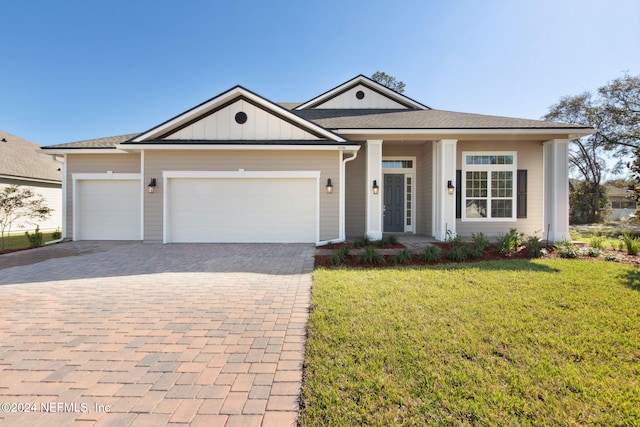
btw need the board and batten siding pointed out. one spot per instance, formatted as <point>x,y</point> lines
<point>529,157</point>
<point>96,163</point>
<point>327,162</point>
<point>260,125</point>
<point>371,99</point>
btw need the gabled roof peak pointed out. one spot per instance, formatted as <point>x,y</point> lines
<point>362,92</point>
<point>197,113</point>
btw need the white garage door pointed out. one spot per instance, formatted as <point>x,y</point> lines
<point>236,210</point>
<point>107,210</point>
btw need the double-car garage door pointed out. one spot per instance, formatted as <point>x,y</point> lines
<point>203,209</point>
<point>241,210</point>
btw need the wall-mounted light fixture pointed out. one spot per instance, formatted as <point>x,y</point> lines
<point>152,185</point>
<point>450,188</point>
<point>375,187</point>
<point>329,186</point>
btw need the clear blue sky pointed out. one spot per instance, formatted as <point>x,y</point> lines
<point>73,70</point>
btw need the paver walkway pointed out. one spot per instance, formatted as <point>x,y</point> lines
<point>113,333</point>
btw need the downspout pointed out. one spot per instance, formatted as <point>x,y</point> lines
<point>342,202</point>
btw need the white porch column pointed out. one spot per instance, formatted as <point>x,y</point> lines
<point>444,204</point>
<point>374,201</point>
<point>556,189</point>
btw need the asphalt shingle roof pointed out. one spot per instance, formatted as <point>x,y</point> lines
<point>420,119</point>
<point>106,142</point>
<point>20,158</point>
<point>375,119</point>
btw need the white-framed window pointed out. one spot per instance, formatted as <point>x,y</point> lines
<point>489,186</point>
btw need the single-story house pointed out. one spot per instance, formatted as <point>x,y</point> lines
<point>359,159</point>
<point>623,203</point>
<point>22,163</point>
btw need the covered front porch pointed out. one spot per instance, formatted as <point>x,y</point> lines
<point>414,186</point>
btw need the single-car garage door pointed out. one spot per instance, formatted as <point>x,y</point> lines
<point>236,210</point>
<point>107,210</point>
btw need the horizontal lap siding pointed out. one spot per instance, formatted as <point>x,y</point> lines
<point>426,189</point>
<point>355,195</point>
<point>325,161</point>
<point>96,163</point>
<point>529,157</point>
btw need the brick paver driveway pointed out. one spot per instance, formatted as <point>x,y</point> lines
<point>112,333</point>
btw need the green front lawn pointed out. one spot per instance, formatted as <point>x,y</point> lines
<point>545,342</point>
<point>19,240</point>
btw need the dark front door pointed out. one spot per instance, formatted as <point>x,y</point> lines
<point>393,202</point>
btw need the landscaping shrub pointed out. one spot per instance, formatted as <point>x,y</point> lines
<point>361,243</point>
<point>36,239</point>
<point>632,244</point>
<point>612,258</point>
<point>402,257</point>
<point>594,252</point>
<point>387,241</point>
<point>534,248</point>
<point>566,249</point>
<point>461,250</point>
<point>508,243</point>
<point>431,253</point>
<point>340,255</point>
<point>597,242</point>
<point>480,242</point>
<point>457,253</point>
<point>371,256</point>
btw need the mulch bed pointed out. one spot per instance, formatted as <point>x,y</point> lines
<point>491,254</point>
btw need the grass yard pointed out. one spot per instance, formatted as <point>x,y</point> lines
<point>544,342</point>
<point>19,240</point>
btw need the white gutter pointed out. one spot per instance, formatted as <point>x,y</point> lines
<point>572,133</point>
<point>237,147</point>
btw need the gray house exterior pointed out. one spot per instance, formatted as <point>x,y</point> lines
<point>359,159</point>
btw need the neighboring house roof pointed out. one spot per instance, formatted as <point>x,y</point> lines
<point>107,142</point>
<point>21,159</point>
<point>617,191</point>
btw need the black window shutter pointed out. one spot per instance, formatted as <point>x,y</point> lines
<point>522,194</point>
<point>458,193</point>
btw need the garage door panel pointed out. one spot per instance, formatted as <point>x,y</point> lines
<point>242,210</point>
<point>108,210</point>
